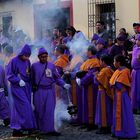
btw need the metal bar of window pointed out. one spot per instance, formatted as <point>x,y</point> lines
<point>101,10</point>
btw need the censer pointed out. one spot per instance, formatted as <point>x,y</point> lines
<point>72,109</point>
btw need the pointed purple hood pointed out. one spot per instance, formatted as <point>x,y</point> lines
<point>26,50</point>
<point>42,51</point>
<point>95,37</point>
<point>100,41</point>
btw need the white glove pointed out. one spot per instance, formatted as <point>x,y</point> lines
<point>1,89</point>
<point>21,83</point>
<point>67,86</point>
<point>78,81</point>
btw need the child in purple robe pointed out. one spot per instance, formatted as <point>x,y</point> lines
<point>4,106</point>
<point>135,90</point>
<point>44,76</point>
<point>101,49</point>
<point>94,39</point>
<point>123,121</point>
<point>104,109</point>
<point>119,47</point>
<point>18,74</point>
<point>88,89</point>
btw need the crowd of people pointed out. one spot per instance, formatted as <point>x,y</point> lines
<point>101,75</point>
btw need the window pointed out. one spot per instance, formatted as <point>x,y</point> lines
<point>6,23</point>
<point>103,10</point>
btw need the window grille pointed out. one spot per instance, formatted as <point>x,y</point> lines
<point>103,10</point>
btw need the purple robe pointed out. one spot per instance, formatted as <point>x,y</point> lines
<point>108,109</point>
<point>88,88</point>
<point>128,129</point>
<point>44,97</point>
<point>59,70</point>
<point>102,52</point>
<point>66,40</point>
<point>22,116</point>
<point>4,106</point>
<point>135,90</point>
<point>116,49</point>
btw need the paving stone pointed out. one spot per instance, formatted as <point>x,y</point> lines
<point>68,133</point>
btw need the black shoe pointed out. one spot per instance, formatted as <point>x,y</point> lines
<point>75,124</point>
<point>108,130</point>
<point>135,111</point>
<point>104,130</point>
<point>84,126</point>
<point>100,131</point>
<point>18,133</point>
<point>6,122</point>
<point>92,127</point>
<point>54,134</point>
<point>33,132</point>
<point>112,135</point>
<point>120,138</point>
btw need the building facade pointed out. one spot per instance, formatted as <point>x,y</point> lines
<point>35,16</point>
<point>116,13</point>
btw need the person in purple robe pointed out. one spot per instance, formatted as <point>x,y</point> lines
<point>4,105</point>
<point>88,89</point>
<point>18,74</point>
<point>101,49</point>
<point>94,39</point>
<point>135,90</point>
<point>110,44</point>
<point>44,76</point>
<point>104,106</point>
<point>136,27</point>
<point>101,31</point>
<point>123,126</point>
<point>62,59</point>
<point>119,47</point>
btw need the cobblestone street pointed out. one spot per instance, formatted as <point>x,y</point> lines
<point>68,133</point>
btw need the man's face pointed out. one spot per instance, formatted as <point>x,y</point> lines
<point>138,42</point>
<point>43,58</point>
<point>89,54</point>
<point>110,42</point>
<point>69,33</point>
<point>116,64</point>
<point>24,57</point>
<point>56,53</point>
<point>136,29</point>
<point>99,27</point>
<point>99,47</point>
<point>101,63</point>
<point>120,43</point>
<point>56,32</point>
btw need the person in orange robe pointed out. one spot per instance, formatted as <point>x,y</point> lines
<point>61,63</point>
<point>62,59</point>
<point>104,109</point>
<point>123,121</point>
<point>88,89</point>
<point>70,77</point>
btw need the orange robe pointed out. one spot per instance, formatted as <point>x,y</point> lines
<point>89,64</point>
<point>89,90</point>
<point>61,62</point>
<point>123,121</point>
<point>103,117</point>
<point>103,78</point>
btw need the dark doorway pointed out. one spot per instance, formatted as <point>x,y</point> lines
<point>47,18</point>
<point>6,22</point>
